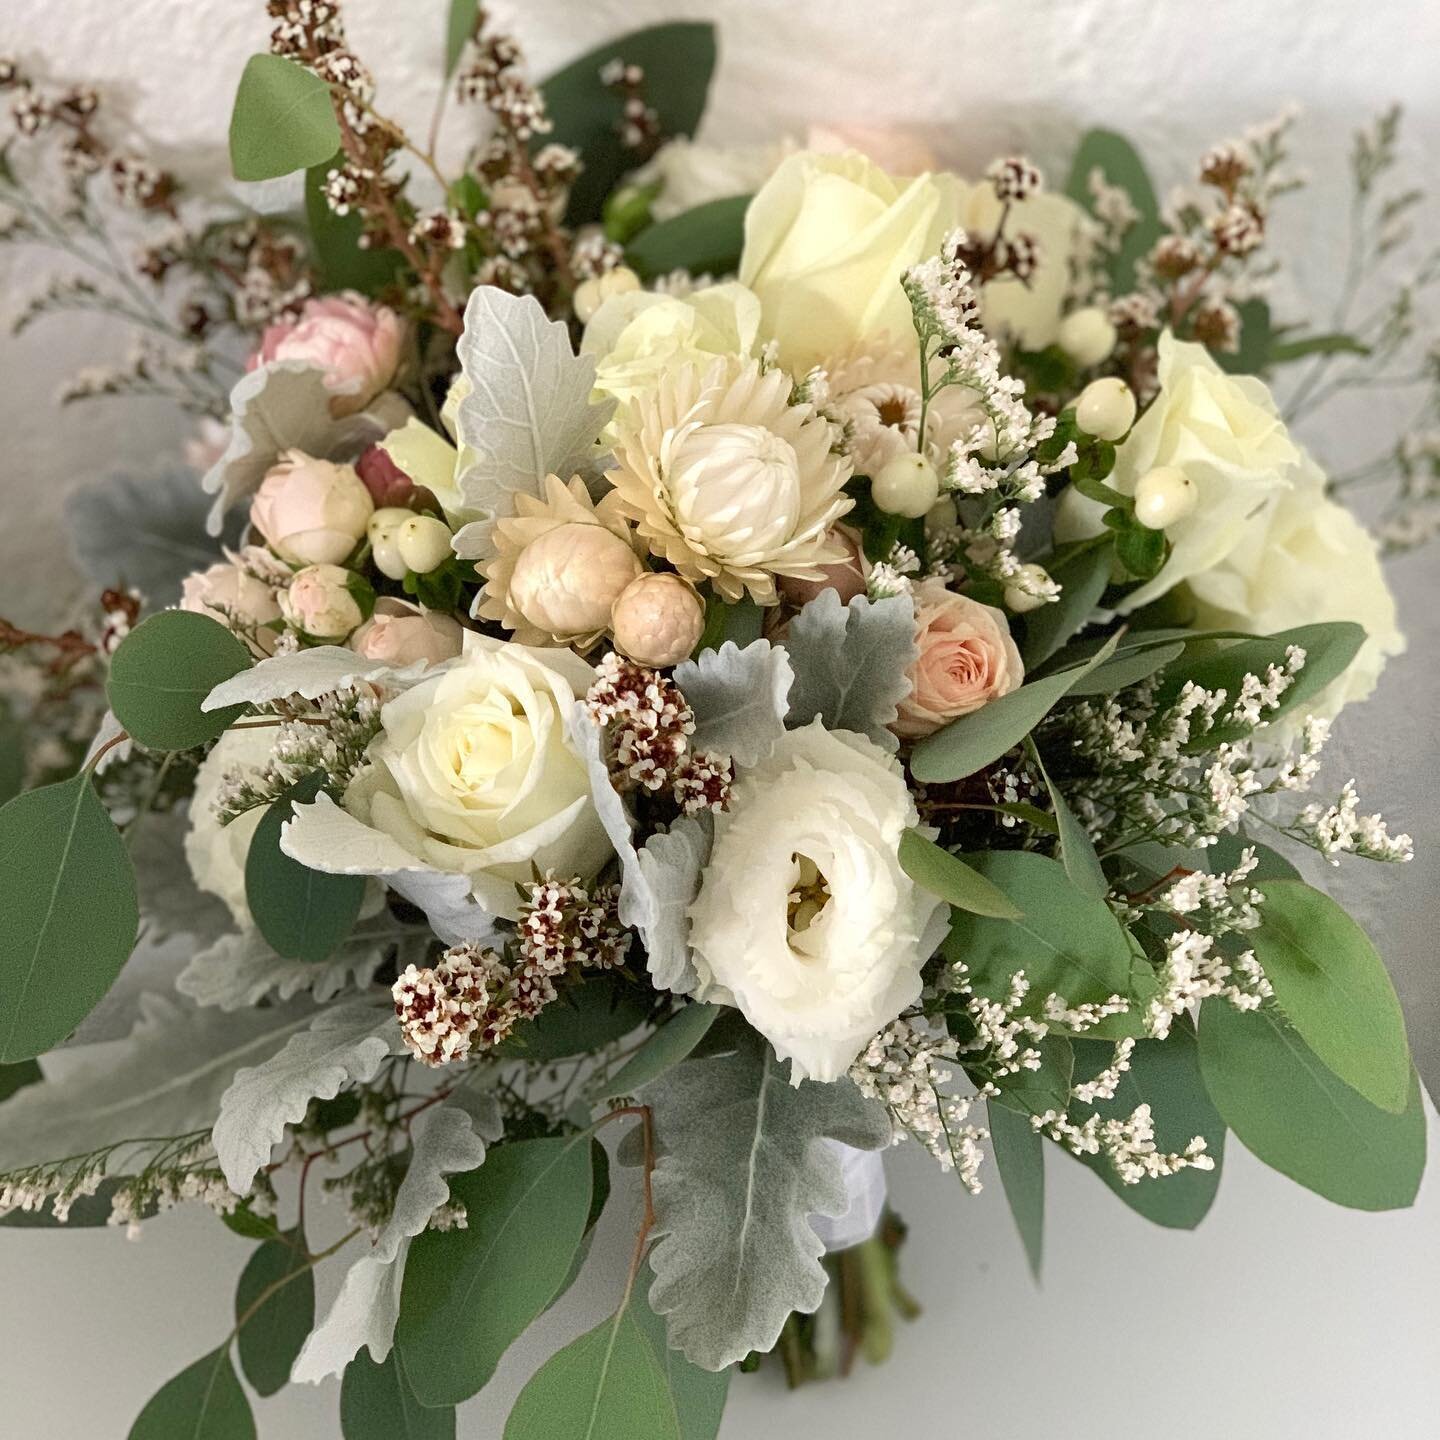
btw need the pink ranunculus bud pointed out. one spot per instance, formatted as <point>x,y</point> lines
<point>657,619</point>
<point>400,633</point>
<point>846,577</point>
<point>311,512</point>
<point>322,602</point>
<point>239,592</point>
<point>355,342</point>
<point>966,659</point>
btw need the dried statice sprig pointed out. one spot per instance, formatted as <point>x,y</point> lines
<point>1194,970</point>
<point>1340,829</point>
<point>1128,1144</point>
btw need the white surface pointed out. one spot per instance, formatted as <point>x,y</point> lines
<point>1282,1316</point>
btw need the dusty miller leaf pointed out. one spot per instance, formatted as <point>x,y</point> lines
<point>740,1172</point>
<point>344,1046</point>
<point>669,878</point>
<point>362,1317</point>
<point>307,673</point>
<point>850,663</point>
<point>528,412</point>
<point>739,698</point>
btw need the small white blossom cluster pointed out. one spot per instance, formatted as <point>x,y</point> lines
<point>562,924</point>
<point>1001,1030</point>
<point>1195,971</point>
<point>1104,1085</point>
<point>442,1009</point>
<point>1340,829</point>
<point>1224,901</point>
<point>1128,1144</point>
<point>891,576</point>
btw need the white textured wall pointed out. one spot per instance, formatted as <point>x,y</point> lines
<point>1283,1316</point>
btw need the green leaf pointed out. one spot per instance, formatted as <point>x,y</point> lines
<point>161,674</point>
<point>271,1336</point>
<point>247,1224</point>
<point>17,1077</point>
<point>1257,340</point>
<point>705,240</point>
<point>608,1382</point>
<point>1291,1112</point>
<point>341,262</point>
<point>1329,648</point>
<point>974,741</point>
<point>1067,942</point>
<point>1332,985</point>
<point>1129,667</point>
<point>678,60</point>
<point>949,877</point>
<point>1020,1159</point>
<point>459,27</point>
<point>304,914</point>
<point>1033,1092</point>
<point>68,914</point>
<point>668,1046</point>
<point>12,753</point>
<point>468,1294</point>
<point>1077,853</point>
<point>1121,165</point>
<point>1164,1074</point>
<point>377,1403</point>
<point>1082,577</point>
<point>1332,343</point>
<point>699,1395</point>
<point>739,621</point>
<point>283,120</point>
<point>204,1402</point>
<point>592,1013</point>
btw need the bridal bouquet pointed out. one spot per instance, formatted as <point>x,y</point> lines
<point>771,654</point>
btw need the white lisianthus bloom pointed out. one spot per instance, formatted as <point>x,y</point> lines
<point>473,771</point>
<point>827,239</point>
<point>728,481</point>
<point>805,919</point>
<point>637,336</point>
<point>217,853</point>
<point>1225,434</point>
<point>1306,560</point>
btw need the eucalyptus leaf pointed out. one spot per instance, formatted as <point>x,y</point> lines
<point>1290,1111</point>
<point>1333,987</point>
<point>459,27</point>
<point>68,913</point>
<point>740,1173</point>
<point>468,1294</point>
<point>274,1310</point>
<point>699,1395</point>
<point>949,877</point>
<point>667,1047</point>
<point>304,914</point>
<point>1020,1159</point>
<point>850,663</point>
<point>593,1012</point>
<point>283,120</point>
<point>378,1403</point>
<point>704,240</point>
<point>1326,343</point>
<point>1120,165</point>
<point>340,260</point>
<point>1034,1092</point>
<point>1082,577</point>
<point>1077,852</point>
<point>203,1402</point>
<point>161,673</point>
<point>1127,668</point>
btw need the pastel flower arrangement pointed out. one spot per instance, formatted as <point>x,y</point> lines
<point>791,651</point>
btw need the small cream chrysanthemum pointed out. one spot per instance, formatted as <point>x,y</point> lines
<point>728,481</point>
<point>560,563</point>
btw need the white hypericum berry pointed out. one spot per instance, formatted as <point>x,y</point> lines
<point>1163,496</point>
<point>382,531</point>
<point>1027,589</point>
<point>1086,336</point>
<point>423,543</point>
<point>906,485</point>
<point>1106,408</point>
<point>587,300</point>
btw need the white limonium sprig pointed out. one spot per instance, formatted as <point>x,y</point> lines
<point>1128,1144</point>
<point>1194,970</point>
<point>1340,829</point>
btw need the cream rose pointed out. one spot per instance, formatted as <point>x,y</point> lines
<point>217,853</point>
<point>826,241</point>
<point>805,919</point>
<point>966,658</point>
<point>473,771</point>
<point>637,336</point>
<point>1225,434</point>
<point>1306,559</point>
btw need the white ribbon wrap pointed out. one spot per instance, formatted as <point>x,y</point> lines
<point>863,1174</point>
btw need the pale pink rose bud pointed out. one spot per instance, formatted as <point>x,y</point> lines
<point>898,151</point>
<point>356,343</point>
<point>565,582</point>
<point>400,633</point>
<point>234,592</point>
<point>657,619</point>
<point>966,659</point>
<point>846,577</point>
<point>326,601</point>
<point>310,511</point>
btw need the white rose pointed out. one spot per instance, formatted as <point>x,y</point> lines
<point>1225,434</point>
<point>636,336</point>
<point>473,771</point>
<point>1306,560</point>
<point>826,241</point>
<point>216,853</point>
<point>805,918</point>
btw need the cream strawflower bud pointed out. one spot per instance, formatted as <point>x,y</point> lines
<point>657,619</point>
<point>311,512</point>
<point>423,543</point>
<point>560,565</point>
<point>383,530</point>
<point>1163,496</point>
<point>906,485</point>
<point>1106,408</point>
<point>1086,336</point>
<point>326,601</point>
